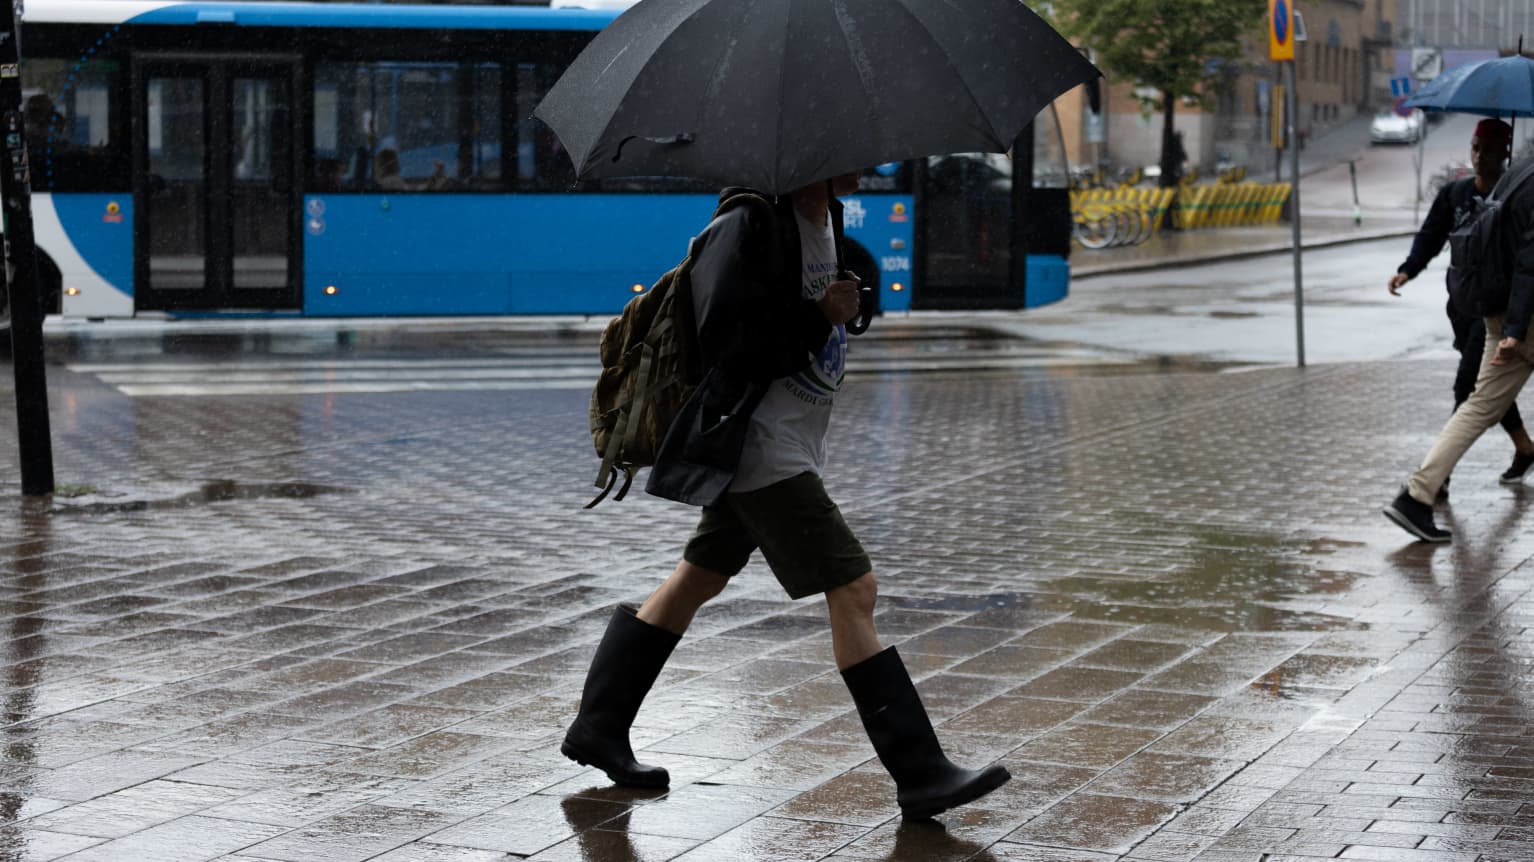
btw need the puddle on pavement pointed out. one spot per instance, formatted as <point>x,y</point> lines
<point>961,602</point>
<point>1226,582</point>
<point>1142,310</point>
<point>220,491</point>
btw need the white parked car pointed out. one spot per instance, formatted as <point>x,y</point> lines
<point>1389,127</point>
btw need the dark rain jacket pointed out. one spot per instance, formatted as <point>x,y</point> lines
<point>1518,229</point>
<point>1454,203</point>
<point>754,326</point>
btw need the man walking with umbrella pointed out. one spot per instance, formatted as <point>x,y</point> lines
<point>778,95</point>
<point>771,310</point>
<point>1506,365</point>
<point>1456,202</point>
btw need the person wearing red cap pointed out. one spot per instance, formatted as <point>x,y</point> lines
<point>1455,202</point>
<point>1507,357</point>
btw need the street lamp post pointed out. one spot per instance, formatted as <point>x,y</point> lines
<point>1284,29</point>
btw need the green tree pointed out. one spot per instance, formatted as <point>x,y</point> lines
<point>1178,47</point>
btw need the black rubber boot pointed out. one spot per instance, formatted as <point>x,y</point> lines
<point>627,662</point>
<point>927,782</point>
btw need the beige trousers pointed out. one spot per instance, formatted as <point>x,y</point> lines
<point>1496,387</point>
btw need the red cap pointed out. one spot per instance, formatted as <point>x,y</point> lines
<point>1494,130</point>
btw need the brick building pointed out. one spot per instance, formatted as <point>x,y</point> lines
<point>1344,68</point>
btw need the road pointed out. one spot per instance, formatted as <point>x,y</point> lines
<point>1243,311</point>
<point>1215,315</point>
<point>1385,172</point>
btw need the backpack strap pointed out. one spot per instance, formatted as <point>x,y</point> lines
<point>612,479</point>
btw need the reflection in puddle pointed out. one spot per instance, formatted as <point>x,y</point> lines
<point>219,491</point>
<point>961,602</point>
<point>1224,582</point>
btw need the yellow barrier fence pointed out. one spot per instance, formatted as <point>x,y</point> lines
<point>1231,204</point>
<point>1129,215</point>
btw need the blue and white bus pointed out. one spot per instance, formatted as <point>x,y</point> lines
<point>341,159</point>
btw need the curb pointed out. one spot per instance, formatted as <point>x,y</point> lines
<point>1255,250</point>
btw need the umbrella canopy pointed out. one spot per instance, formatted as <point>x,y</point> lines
<point>776,94</point>
<point>1503,87</point>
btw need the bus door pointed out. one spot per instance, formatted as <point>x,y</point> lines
<point>214,183</point>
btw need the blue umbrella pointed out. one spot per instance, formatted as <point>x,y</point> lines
<point>1492,88</point>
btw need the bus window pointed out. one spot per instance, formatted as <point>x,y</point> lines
<point>542,164</point>
<point>397,126</point>
<point>76,137</point>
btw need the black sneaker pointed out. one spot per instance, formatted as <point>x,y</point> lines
<point>1415,518</point>
<point>1521,463</point>
<point>1443,491</point>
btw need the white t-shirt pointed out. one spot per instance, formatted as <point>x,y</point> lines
<point>787,434</point>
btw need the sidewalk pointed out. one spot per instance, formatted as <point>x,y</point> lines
<point>345,627</point>
<point>1181,248</point>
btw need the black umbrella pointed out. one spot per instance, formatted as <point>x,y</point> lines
<point>776,94</point>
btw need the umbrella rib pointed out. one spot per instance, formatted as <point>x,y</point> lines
<point>777,132</point>
<point>682,136</point>
<point>859,58</point>
<point>980,110</point>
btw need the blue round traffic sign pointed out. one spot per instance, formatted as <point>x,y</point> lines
<point>1399,106</point>
<point>1281,21</point>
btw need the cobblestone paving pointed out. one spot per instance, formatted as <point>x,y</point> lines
<point>326,628</point>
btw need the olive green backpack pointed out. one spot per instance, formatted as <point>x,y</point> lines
<point>649,369</point>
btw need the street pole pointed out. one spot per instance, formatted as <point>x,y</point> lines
<point>1294,197</point>
<point>1358,211</point>
<point>33,434</point>
<point>1416,206</point>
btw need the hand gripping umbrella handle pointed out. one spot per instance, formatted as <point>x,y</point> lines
<point>866,299</point>
<point>859,324</point>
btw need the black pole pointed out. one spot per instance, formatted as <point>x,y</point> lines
<point>1020,209</point>
<point>919,232</point>
<point>1358,212</point>
<point>1512,120</point>
<point>32,429</point>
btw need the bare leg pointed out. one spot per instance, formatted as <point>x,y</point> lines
<point>1521,440</point>
<point>926,781</point>
<point>853,636</point>
<point>675,602</point>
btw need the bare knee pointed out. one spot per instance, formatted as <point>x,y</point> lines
<point>698,583</point>
<point>857,597</point>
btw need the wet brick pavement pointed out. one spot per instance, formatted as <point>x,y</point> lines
<point>1167,602</point>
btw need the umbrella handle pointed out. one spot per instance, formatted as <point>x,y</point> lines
<point>859,325</point>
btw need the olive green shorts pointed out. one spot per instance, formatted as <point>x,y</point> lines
<point>799,530</point>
